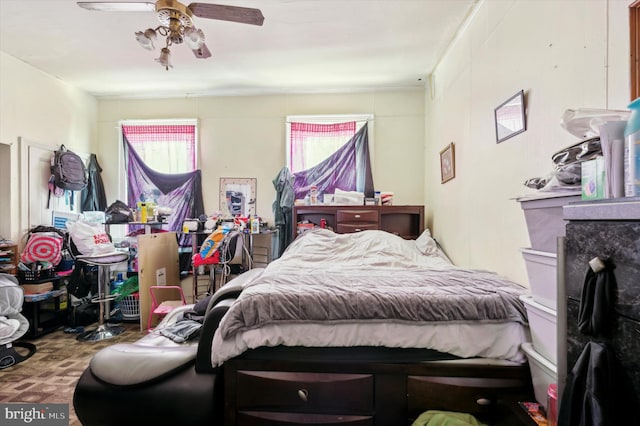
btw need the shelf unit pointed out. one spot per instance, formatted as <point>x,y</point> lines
<point>45,311</point>
<point>9,258</point>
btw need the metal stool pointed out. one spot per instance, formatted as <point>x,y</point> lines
<point>103,262</point>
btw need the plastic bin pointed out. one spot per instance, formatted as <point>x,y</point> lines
<point>543,326</point>
<point>545,223</point>
<point>543,374</point>
<point>542,273</point>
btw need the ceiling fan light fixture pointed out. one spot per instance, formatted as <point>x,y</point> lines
<point>147,38</point>
<point>194,38</point>
<point>165,58</point>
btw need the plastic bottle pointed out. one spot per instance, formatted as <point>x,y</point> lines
<point>313,195</point>
<point>632,151</point>
<point>255,225</point>
<point>117,283</point>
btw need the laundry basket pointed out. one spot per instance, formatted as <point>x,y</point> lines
<point>130,307</point>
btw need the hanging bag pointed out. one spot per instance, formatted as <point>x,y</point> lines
<point>44,244</point>
<point>68,170</point>
<point>43,247</point>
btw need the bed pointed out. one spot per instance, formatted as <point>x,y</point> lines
<point>369,328</point>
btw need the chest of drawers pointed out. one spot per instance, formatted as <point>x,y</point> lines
<point>405,221</point>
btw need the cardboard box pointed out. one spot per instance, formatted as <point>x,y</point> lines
<point>592,181</point>
<point>37,288</point>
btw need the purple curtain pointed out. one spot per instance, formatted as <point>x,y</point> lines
<point>182,192</point>
<point>349,169</point>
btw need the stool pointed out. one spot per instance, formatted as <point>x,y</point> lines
<point>103,262</point>
<point>165,306</point>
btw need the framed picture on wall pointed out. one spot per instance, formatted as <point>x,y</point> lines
<point>447,163</point>
<point>238,196</point>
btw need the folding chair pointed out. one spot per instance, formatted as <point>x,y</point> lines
<point>161,305</point>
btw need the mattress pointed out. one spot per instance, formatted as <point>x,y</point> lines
<point>373,288</point>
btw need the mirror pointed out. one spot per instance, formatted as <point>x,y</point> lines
<point>238,196</point>
<point>510,117</point>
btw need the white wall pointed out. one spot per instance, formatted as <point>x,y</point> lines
<point>565,54</point>
<point>42,109</point>
<point>244,137</point>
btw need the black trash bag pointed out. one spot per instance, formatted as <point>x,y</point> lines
<point>118,212</point>
<point>81,312</point>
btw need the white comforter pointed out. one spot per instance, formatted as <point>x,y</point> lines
<point>374,289</point>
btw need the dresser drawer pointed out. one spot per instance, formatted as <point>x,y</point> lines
<point>357,216</point>
<point>305,392</point>
<point>477,396</point>
<point>348,228</point>
<point>259,418</point>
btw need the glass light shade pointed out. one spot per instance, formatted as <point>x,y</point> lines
<point>165,58</point>
<point>194,38</point>
<point>147,38</point>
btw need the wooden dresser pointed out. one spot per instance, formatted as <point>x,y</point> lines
<point>279,392</point>
<point>405,221</point>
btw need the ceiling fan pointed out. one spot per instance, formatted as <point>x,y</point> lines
<point>176,21</point>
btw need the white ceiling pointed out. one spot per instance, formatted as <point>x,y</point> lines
<point>304,46</point>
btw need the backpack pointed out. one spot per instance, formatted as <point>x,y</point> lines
<point>68,170</point>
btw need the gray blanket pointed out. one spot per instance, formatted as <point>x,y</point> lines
<point>299,289</point>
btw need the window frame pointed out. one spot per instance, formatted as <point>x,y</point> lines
<point>328,119</point>
<point>122,176</point>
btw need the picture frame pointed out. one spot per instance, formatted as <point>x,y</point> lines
<point>510,117</point>
<point>238,196</point>
<point>447,163</point>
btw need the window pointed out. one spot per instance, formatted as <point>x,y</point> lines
<point>165,146</point>
<point>159,168</point>
<point>329,153</point>
<point>311,139</point>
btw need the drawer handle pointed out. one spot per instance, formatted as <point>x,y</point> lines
<point>357,230</point>
<point>303,394</point>
<point>483,401</point>
<point>357,216</point>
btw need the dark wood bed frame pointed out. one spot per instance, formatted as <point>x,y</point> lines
<point>367,386</point>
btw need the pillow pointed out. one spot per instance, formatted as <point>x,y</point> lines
<point>425,244</point>
<point>43,247</point>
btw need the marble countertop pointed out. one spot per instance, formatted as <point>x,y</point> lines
<point>609,209</point>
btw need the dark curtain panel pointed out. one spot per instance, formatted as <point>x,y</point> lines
<point>283,207</point>
<point>182,192</point>
<point>93,196</point>
<point>348,169</point>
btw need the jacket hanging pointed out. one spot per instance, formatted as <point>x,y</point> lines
<point>596,300</point>
<point>598,392</point>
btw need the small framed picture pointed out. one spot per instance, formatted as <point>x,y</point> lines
<point>447,163</point>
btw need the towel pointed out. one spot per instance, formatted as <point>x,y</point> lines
<point>446,418</point>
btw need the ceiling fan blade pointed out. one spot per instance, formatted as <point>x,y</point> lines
<point>118,6</point>
<point>202,53</point>
<point>244,15</point>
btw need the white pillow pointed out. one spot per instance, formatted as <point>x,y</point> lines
<point>425,244</point>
